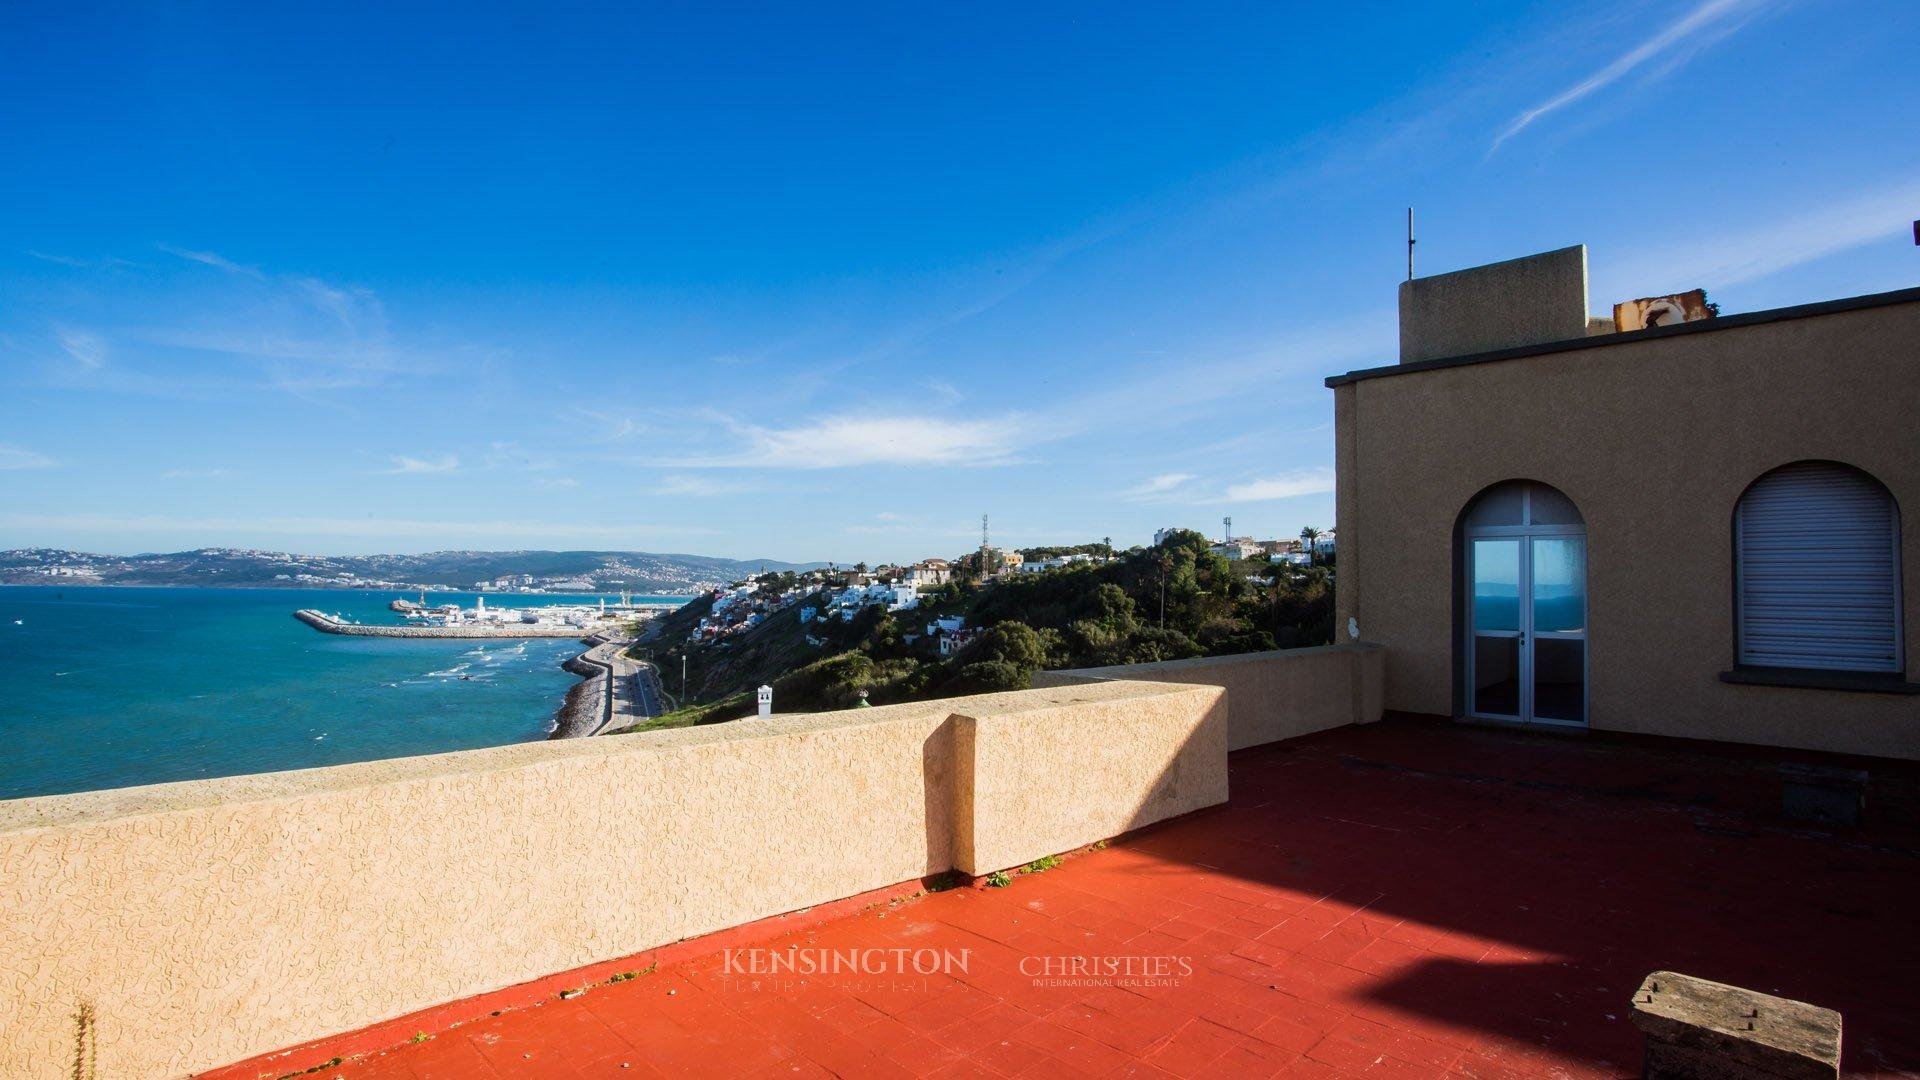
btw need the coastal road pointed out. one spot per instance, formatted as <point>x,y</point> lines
<point>636,689</point>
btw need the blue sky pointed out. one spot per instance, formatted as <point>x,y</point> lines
<point>830,284</point>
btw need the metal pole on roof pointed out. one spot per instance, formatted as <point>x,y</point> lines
<point>1410,243</point>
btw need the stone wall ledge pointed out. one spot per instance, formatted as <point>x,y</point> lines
<point>204,922</point>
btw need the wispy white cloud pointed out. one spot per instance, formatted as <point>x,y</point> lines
<point>85,347</point>
<point>1674,44</point>
<point>699,487</point>
<point>1163,394</point>
<point>943,389</point>
<point>555,482</point>
<point>1165,487</point>
<point>962,532</point>
<point>77,263</point>
<point>1186,489</point>
<point>517,458</point>
<point>213,259</point>
<point>1287,485</point>
<point>842,441</point>
<point>402,464</point>
<point>13,457</point>
<point>603,427</point>
<point>1748,251</point>
<point>307,336</point>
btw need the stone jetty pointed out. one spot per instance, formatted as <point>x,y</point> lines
<point>327,624</point>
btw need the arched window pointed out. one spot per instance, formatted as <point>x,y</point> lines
<point>1817,570</point>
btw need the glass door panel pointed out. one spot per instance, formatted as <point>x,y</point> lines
<point>1498,678</point>
<point>1559,587</point>
<point>1496,675</point>
<point>1496,585</point>
<point>1560,679</point>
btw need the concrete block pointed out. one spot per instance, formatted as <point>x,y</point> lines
<point>1822,793</point>
<point>1696,1029</point>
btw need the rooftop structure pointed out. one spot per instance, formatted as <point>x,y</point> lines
<point>1693,529</point>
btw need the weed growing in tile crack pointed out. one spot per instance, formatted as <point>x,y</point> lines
<point>1041,865</point>
<point>420,1037</point>
<point>999,879</point>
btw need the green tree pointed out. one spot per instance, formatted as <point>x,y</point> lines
<point>990,676</point>
<point>1014,643</point>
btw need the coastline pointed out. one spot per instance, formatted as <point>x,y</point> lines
<point>308,701</point>
<point>617,691</point>
<point>588,703</point>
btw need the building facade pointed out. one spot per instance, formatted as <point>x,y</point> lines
<point>1704,530</point>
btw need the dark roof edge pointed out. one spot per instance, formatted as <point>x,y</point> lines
<point>1599,341</point>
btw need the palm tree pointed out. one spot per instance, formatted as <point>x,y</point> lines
<point>1308,535</point>
<point>1106,542</point>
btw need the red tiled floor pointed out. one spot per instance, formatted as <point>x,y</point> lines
<point>1398,900</point>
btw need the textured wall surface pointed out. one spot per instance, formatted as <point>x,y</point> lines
<point>1523,301</point>
<point>1271,695</point>
<point>1044,778</point>
<point>1654,440</point>
<point>163,929</point>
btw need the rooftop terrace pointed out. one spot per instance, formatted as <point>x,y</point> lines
<point>1401,898</point>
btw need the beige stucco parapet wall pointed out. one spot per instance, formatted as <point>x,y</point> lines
<point>202,923</point>
<point>1274,695</point>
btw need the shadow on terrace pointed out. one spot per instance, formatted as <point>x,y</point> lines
<point>1487,901</point>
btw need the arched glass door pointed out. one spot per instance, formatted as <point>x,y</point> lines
<point>1526,572</point>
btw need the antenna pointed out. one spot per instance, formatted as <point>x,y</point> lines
<point>1410,243</point>
<point>1226,524</point>
<point>983,548</point>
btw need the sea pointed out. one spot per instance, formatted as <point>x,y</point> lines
<point>107,687</point>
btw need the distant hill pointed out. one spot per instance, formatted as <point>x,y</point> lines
<point>556,571</point>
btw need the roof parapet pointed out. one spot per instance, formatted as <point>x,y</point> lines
<point>1503,305</point>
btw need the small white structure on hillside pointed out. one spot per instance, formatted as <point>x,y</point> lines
<point>765,698</point>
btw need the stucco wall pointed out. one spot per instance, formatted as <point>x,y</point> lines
<point>1046,779</point>
<point>201,923</point>
<point>1654,440</point>
<point>1522,301</point>
<point>1270,695</point>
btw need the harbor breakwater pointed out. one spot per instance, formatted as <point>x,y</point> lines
<point>588,707</point>
<point>589,704</point>
<point>327,624</point>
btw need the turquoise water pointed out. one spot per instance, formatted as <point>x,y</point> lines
<point>108,687</point>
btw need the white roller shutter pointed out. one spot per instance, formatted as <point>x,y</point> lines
<point>1819,571</point>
